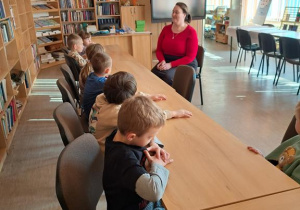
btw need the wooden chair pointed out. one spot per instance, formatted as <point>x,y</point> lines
<point>184,81</point>
<point>68,123</point>
<point>79,174</point>
<point>200,59</point>
<point>73,65</point>
<point>71,81</point>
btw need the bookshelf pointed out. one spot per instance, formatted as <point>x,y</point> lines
<point>107,13</point>
<point>18,67</point>
<point>76,16</point>
<point>291,19</point>
<point>48,31</point>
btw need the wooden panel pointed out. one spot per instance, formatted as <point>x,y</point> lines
<point>142,54</point>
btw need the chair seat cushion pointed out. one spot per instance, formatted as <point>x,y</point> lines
<point>271,54</point>
<point>252,47</point>
<point>293,61</point>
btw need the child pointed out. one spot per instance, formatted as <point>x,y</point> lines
<point>287,155</point>
<point>75,44</point>
<point>117,88</point>
<point>132,179</point>
<point>87,40</point>
<point>101,63</point>
<point>91,50</point>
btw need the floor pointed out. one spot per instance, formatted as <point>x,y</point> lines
<point>250,107</point>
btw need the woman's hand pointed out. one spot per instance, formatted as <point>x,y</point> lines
<point>164,66</point>
<point>160,65</point>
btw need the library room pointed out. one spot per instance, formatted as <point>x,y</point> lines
<point>201,97</point>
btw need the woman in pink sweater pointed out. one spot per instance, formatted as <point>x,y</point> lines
<point>177,44</point>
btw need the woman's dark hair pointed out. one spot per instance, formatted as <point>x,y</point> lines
<point>188,17</point>
<point>119,86</point>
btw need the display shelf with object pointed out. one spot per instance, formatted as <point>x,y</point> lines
<point>76,16</point>
<point>108,14</point>
<point>291,19</point>
<point>220,33</point>
<point>131,14</point>
<point>15,56</point>
<point>47,23</point>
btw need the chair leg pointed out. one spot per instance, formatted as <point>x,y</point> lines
<point>283,64</point>
<point>261,63</point>
<point>299,85</point>
<point>200,86</point>
<point>294,73</point>
<point>277,69</point>
<point>238,57</point>
<point>267,65</point>
<point>251,62</point>
<point>243,51</point>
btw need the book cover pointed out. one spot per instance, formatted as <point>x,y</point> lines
<point>3,84</point>
<point>4,33</point>
<point>2,11</point>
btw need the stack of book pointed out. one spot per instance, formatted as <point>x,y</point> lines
<point>139,25</point>
<point>76,3</point>
<point>7,31</point>
<point>47,33</point>
<point>9,117</point>
<point>45,23</point>
<point>59,56</point>
<point>43,40</point>
<point>42,7</point>
<point>47,58</point>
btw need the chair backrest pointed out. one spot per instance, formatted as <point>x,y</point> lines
<point>267,43</point>
<point>70,80</point>
<point>79,174</point>
<point>73,65</point>
<point>290,131</point>
<point>65,50</point>
<point>244,38</point>
<point>68,122</point>
<point>184,81</point>
<point>200,57</point>
<point>66,92</point>
<point>290,48</point>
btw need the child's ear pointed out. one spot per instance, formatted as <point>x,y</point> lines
<point>106,71</point>
<point>130,136</point>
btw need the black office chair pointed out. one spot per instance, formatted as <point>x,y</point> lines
<point>73,65</point>
<point>79,174</point>
<point>184,81</point>
<point>68,122</point>
<point>290,50</point>
<point>71,81</point>
<point>246,44</point>
<point>200,59</point>
<point>268,46</point>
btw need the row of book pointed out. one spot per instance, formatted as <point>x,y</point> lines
<point>9,117</point>
<point>73,28</point>
<point>107,9</point>
<point>42,7</point>
<point>77,16</point>
<point>6,30</point>
<point>2,11</point>
<point>45,23</point>
<point>47,32</point>
<point>108,21</point>
<point>76,3</point>
<point>3,94</point>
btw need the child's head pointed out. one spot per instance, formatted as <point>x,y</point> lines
<point>101,63</point>
<point>75,43</point>
<point>86,37</point>
<point>297,115</point>
<point>140,119</point>
<point>92,49</point>
<point>119,86</point>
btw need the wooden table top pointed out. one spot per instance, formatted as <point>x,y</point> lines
<point>285,200</point>
<point>211,167</point>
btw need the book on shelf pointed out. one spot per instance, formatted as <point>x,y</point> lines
<point>287,17</point>
<point>45,39</point>
<point>12,16</point>
<point>4,125</point>
<point>7,31</point>
<point>76,3</point>
<point>3,89</point>
<point>2,101</point>
<point>2,11</point>
<point>27,77</point>
<point>42,7</point>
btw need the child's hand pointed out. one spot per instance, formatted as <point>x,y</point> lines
<point>181,113</point>
<point>155,149</point>
<point>156,158</point>
<point>158,97</point>
<point>256,151</point>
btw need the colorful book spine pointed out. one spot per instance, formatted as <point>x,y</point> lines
<point>2,11</point>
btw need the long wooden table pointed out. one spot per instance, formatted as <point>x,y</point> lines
<point>211,166</point>
<point>281,201</point>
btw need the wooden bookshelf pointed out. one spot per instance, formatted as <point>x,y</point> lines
<point>15,57</point>
<point>46,18</point>
<point>291,19</point>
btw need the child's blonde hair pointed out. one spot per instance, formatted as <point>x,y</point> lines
<point>138,114</point>
<point>72,40</point>
<point>100,62</point>
<point>91,50</point>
